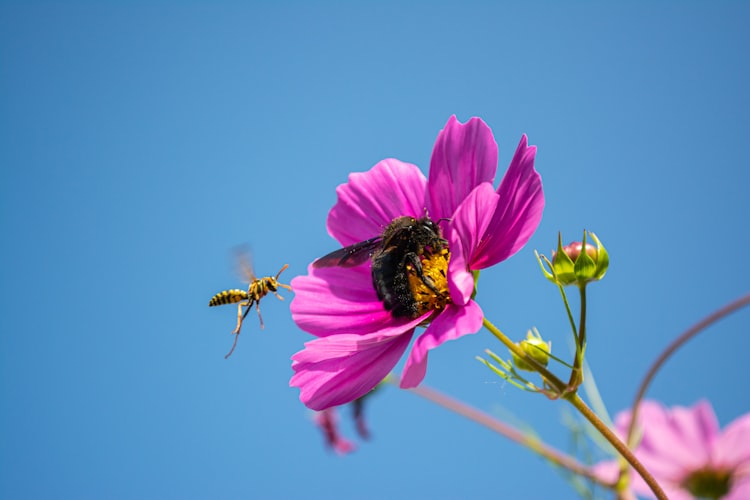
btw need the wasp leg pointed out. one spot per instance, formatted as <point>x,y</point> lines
<point>257,308</point>
<point>413,259</point>
<point>240,319</point>
<point>277,293</point>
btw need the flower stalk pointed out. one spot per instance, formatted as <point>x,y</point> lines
<point>610,436</point>
<point>576,374</point>
<point>526,440</point>
<point>561,389</point>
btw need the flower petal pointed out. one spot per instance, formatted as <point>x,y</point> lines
<point>454,322</point>
<point>518,212</point>
<point>371,200</point>
<point>740,488</point>
<point>674,441</point>
<point>335,370</point>
<point>464,156</point>
<point>732,448</point>
<point>464,236</point>
<point>681,437</point>
<point>335,300</point>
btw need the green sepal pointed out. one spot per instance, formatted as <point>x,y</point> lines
<point>585,267</point>
<point>563,267</point>
<point>602,262</point>
<point>547,274</point>
<point>475,274</point>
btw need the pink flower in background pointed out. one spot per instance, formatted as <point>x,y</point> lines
<point>328,422</point>
<point>359,341</point>
<point>687,453</point>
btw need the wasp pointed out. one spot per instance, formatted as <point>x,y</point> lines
<point>409,264</point>
<point>256,290</point>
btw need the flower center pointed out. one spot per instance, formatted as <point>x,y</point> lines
<point>708,483</point>
<point>435,273</point>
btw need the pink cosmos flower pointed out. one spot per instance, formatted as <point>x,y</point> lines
<point>687,453</point>
<point>359,341</point>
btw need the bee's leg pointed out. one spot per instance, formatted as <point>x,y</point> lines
<point>413,259</point>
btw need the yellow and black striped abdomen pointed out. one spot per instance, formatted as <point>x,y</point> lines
<point>228,297</point>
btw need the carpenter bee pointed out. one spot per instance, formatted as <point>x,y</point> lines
<point>256,290</point>
<point>406,273</point>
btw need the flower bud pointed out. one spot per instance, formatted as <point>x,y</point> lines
<point>574,249</point>
<point>534,347</point>
<point>572,265</point>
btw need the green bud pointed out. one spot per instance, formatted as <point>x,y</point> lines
<point>571,264</point>
<point>534,347</point>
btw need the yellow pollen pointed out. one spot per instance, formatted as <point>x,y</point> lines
<point>434,270</point>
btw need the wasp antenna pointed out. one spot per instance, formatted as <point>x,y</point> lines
<point>281,271</point>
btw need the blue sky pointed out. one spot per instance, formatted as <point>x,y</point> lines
<point>142,142</point>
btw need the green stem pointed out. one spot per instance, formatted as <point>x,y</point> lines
<point>610,436</point>
<point>548,376</point>
<point>582,324</point>
<point>570,314</point>
<point>575,375</point>
<point>531,442</point>
<point>578,403</point>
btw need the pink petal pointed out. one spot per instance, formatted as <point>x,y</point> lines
<point>684,439</point>
<point>672,490</point>
<point>464,234</point>
<point>464,156</point>
<point>335,370</point>
<point>662,449</point>
<point>606,470</point>
<point>732,447</point>
<point>371,200</point>
<point>518,212</point>
<point>740,488</point>
<point>454,322</point>
<point>335,300</point>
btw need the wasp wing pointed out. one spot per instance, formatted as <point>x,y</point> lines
<point>243,259</point>
<point>350,256</point>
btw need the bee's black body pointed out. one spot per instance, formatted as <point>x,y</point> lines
<point>392,254</point>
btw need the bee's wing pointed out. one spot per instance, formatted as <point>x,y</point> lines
<point>350,256</point>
